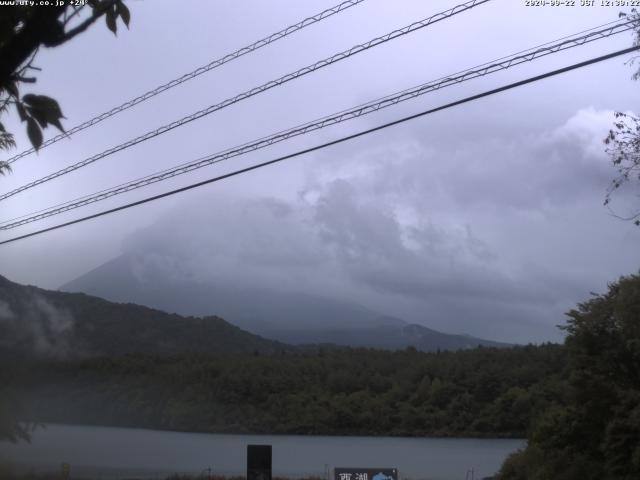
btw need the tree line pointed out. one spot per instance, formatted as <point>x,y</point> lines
<point>593,431</point>
<point>485,392</point>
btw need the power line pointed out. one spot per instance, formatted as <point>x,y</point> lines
<point>199,71</point>
<point>355,112</point>
<point>195,73</point>
<point>328,144</point>
<point>254,91</point>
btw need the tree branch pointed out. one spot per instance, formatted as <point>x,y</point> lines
<point>97,13</point>
<point>76,11</point>
<point>21,46</point>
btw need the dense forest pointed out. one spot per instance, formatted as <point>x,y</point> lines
<point>484,392</point>
<point>593,433</point>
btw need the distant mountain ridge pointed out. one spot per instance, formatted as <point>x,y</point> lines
<point>390,338</point>
<point>137,279</point>
<point>291,317</point>
<point>39,322</point>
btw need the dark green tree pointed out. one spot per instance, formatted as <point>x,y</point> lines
<point>595,432</point>
<point>23,31</point>
<point>623,141</point>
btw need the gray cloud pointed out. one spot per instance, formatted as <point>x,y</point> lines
<point>494,240</point>
<point>5,311</point>
<point>484,219</point>
<point>44,327</point>
<point>49,327</point>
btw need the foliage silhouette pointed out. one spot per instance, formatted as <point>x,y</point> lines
<point>23,30</point>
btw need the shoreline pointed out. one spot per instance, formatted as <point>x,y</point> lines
<point>281,434</point>
<point>114,453</point>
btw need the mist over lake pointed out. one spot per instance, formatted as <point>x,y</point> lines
<point>107,452</point>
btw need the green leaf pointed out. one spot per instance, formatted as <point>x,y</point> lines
<point>30,99</point>
<point>34,132</point>
<point>22,113</point>
<point>4,168</point>
<point>38,116</point>
<point>6,141</point>
<point>56,123</point>
<point>45,110</point>
<point>12,88</point>
<point>124,13</point>
<point>110,18</point>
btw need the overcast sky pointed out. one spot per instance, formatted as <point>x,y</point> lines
<point>485,219</point>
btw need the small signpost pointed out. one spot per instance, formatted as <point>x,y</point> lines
<point>65,471</point>
<point>258,462</point>
<point>365,474</point>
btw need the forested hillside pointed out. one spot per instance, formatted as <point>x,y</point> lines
<point>593,431</point>
<point>481,392</point>
<point>34,321</point>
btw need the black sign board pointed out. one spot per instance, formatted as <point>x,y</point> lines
<point>258,462</point>
<point>365,474</point>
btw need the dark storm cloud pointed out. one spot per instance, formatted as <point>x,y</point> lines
<point>455,244</point>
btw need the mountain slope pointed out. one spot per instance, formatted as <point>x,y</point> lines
<point>136,278</point>
<point>290,317</point>
<point>34,320</point>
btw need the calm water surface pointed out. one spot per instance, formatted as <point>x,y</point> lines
<point>112,452</point>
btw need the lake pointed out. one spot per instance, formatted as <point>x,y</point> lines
<point>107,453</point>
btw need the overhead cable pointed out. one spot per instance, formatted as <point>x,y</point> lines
<point>355,112</point>
<point>193,74</point>
<point>254,91</point>
<point>328,144</point>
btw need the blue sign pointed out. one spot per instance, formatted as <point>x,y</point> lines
<point>365,474</point>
